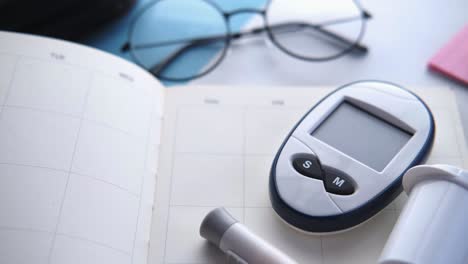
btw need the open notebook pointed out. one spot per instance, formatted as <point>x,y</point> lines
<point>101,164</point>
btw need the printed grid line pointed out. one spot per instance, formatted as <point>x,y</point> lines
<point>322,255</point>
<point>226,154</point>
<point>20,57</point>
<point>460,154</point>
<point>142,183</point>
<point>62,202</point>
<point>94,242</point>
<point>10,82</point>
<point>92,121</point>
<point>244,167</point>
<point>32,230</point>
<point>248,107</point>
<point>246,207</point>
<point>73,172</point>
<point>24,229</point>
<point>177,116</point>
<point>74,65</point>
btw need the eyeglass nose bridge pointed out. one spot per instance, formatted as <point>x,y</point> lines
<point>229,15</point>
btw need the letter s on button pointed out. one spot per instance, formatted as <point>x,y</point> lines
<point>307,165</point>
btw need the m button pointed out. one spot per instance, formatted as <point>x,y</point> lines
<point>337,182</point>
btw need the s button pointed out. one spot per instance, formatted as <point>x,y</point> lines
<point>308,165</point>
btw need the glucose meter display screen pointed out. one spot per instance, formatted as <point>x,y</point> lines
<point>362,136</point>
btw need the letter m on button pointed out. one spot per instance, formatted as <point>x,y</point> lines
<point>338,181</point>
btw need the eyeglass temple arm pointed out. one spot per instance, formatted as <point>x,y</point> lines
<point>156,69</point>
<point>343,40</point>
<point>320,28</point>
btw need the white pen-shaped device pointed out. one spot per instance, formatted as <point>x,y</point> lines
<point>238,243</point>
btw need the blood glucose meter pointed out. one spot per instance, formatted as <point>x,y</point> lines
<point>344,160</point>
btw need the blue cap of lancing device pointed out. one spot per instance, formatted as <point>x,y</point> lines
<point>344,160</point>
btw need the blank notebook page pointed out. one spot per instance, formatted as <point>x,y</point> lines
<point>77,153</point>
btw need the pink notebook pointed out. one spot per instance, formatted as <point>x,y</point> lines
<point>452,59</point>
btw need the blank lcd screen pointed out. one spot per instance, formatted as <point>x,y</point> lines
<point>362,136</point>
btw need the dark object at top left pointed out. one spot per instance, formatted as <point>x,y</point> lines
<point>65,19</point>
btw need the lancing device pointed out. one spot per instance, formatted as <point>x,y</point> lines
<point>240,245</point>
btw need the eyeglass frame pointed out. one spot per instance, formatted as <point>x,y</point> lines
<point>230,36</point>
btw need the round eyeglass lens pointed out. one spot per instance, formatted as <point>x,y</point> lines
<point>179,39</point>
<point>315,29</point>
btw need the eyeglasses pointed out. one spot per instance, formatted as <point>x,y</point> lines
<point>179,40</point>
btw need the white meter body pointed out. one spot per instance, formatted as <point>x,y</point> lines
<point>343,161</point>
